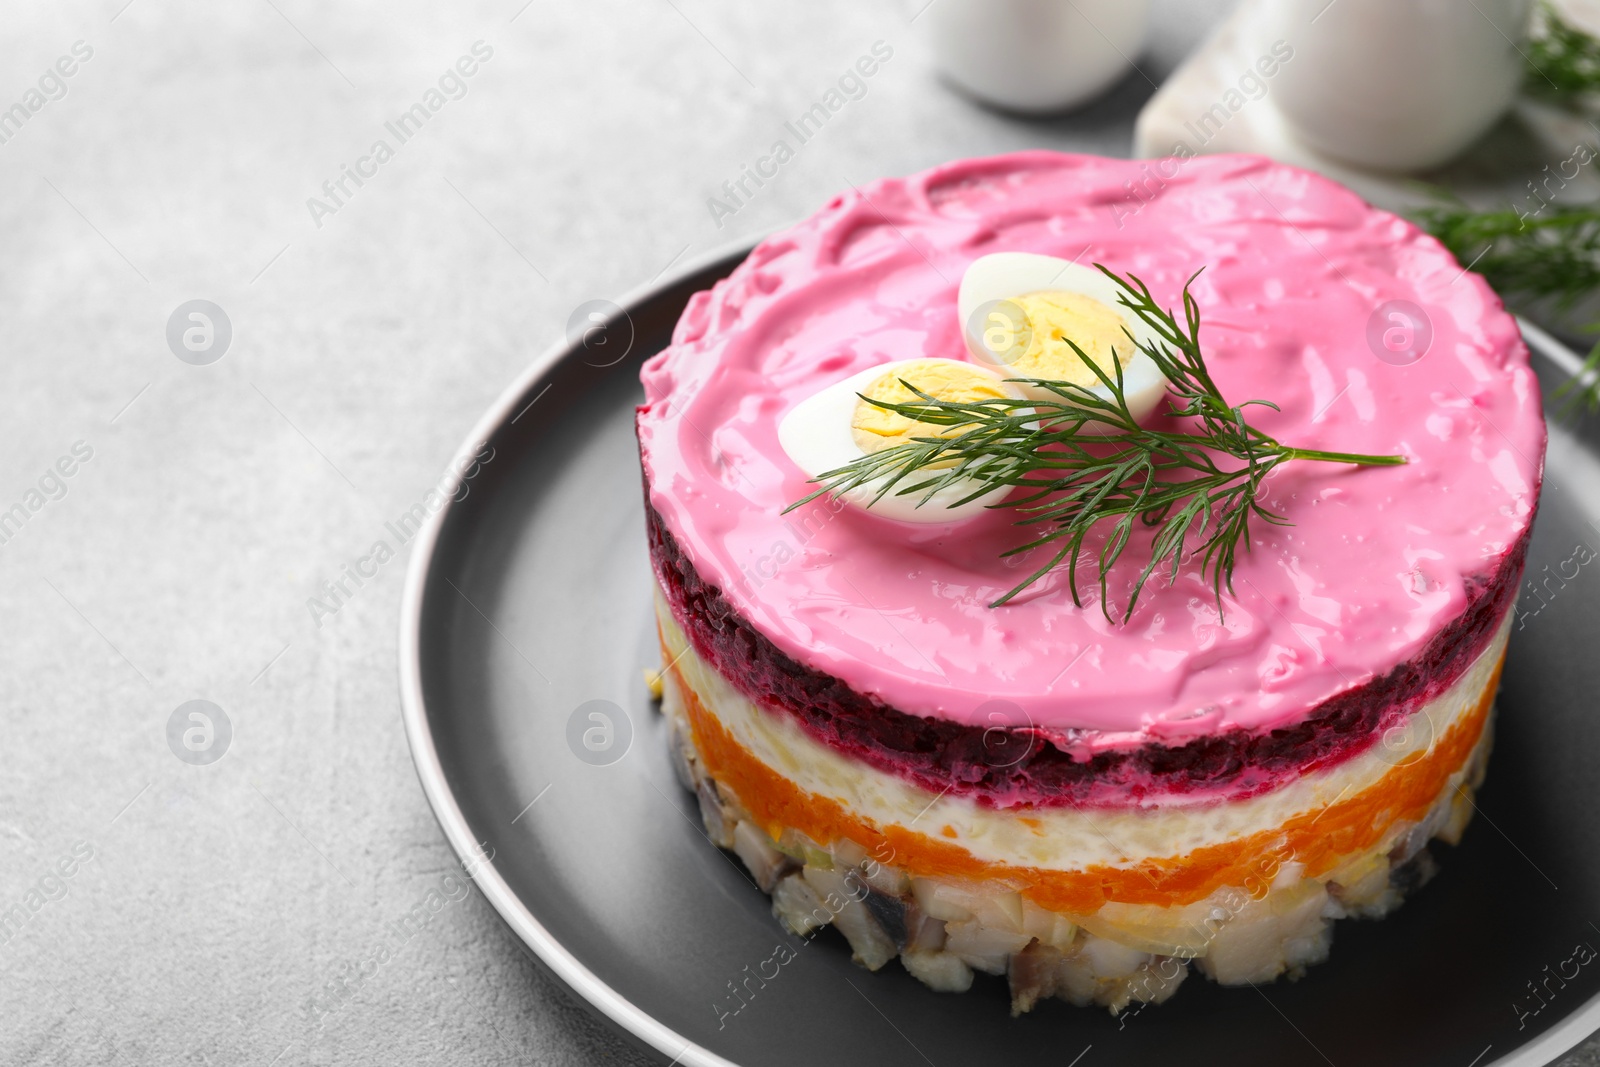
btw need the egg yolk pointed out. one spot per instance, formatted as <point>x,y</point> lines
<point>1053,317</point>
<point>876,429</point>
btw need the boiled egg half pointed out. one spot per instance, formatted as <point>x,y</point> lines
<point>835,426</point>
<point>1019,309</point>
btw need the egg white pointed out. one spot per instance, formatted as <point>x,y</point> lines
<point>1004,276</point>
<point>817,436</point>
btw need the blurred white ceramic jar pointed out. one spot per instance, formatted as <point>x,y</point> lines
<point>1396,84</point>
<point>1037,55</point>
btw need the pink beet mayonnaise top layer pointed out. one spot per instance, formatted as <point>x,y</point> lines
<point>1379,560</point>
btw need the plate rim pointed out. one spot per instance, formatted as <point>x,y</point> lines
<point>634,1021</point>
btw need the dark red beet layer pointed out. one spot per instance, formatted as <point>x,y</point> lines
<point>939,755</point>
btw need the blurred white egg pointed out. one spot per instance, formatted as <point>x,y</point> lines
<point>834,427</point>
<point>1017,309</point>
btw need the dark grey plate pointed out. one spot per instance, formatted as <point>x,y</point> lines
<point>530,596</point>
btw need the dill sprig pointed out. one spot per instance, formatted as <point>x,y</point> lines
<point>1562,60</point>
<point>1552,254</point>
<point>1084,463</point>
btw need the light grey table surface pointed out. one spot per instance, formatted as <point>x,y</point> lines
<point>177,561</point>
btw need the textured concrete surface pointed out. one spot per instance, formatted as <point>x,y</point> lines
<point>244,911</point>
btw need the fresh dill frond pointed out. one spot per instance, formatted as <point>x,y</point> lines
<point>1551,254</point>
<point>1083,462</point>
<point>1563,61</point>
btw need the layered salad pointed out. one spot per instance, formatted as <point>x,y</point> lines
<point>940,691</point>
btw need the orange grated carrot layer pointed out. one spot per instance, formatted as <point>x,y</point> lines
<point>1320,840</point>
